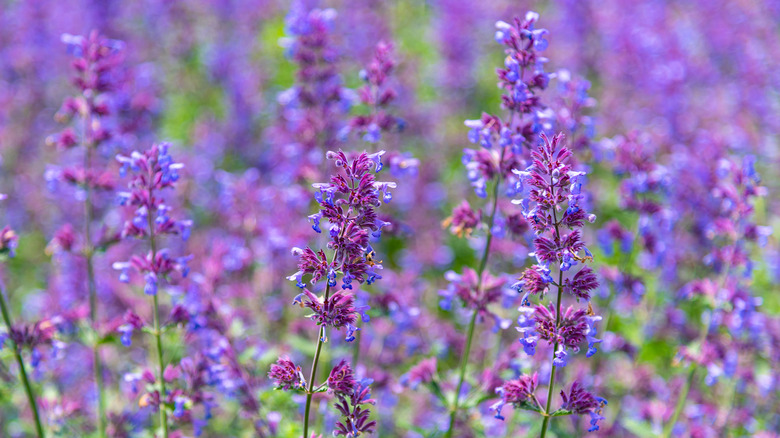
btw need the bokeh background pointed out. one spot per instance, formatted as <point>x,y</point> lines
<point>693,83</point>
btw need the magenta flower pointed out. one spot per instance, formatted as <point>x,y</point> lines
<point>341,380</point>
<point>519,393</point>
<point>287,375</point>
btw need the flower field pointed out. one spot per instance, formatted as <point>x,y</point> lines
<point>438,219</point>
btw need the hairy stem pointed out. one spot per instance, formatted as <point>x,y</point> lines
<point>22,370</point>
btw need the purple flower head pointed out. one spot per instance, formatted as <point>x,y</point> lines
<point>579,401</point>
<point>314,109</point>
<point>341,380</point>
<point>378,95</point>
<point>287,375</point>
<point>355,421</point>
<point>570,331</point>
<point>581,283</point>
<point>421,373</point>
<point>519,393</point>
<point>464,220</point>
<point>475,294</point>
<point>348,202</point>
<point>132,322</point>
<point>337,311</point>
<point>152,172</point>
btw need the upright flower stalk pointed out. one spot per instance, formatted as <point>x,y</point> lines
<point>8,243</point>
<point>315,107</point>
<point>97,59</point>
<point>153,171</point>
<point>729,303</point>
<point>348,202</point>
<point>503,146</point>
<point>553,207</point>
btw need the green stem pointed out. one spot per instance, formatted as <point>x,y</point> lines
<point>22,370</point>
<point>472,324</point>
<point>462,375</point>
<point>161,370</point>
<point>312,376</point>
<point>551,383</point>
<point>680,401</point>
<point>157,329</point>
<point>97,367</point>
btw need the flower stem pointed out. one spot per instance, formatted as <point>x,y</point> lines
<point>313,375</point>
<point>680,401</point>
<point>158,338</point>
<point>89,251</point>
<point>462,375</point>
<point>551,383</point>
<point>157,330</point>
<point>22,370</point>
<point>472,324</point>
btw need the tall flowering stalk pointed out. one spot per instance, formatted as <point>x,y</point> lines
<point>152,172</point>
<point>503,146</point>
<point>553,206</point>
<point>730,304</point>
<point>314,108</point>
<point>377,95</point>
<point>97,59</point>
<point>348,202</point>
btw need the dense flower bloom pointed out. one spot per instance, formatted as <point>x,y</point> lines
<point>97,75</point>
<point>570,331</point>
<point>286,374</point>
<point>519,393</point>
<point>337,311</point>
<point>421,373</point>
<point>315,107</point>
<point>464,220</point>
<point>153,171</point>
<point>348,202</point>
<point>579,401</point>
<point>355,419</point>
<point>341,380</point>
<point>552,183</point>
<point>378,95</point>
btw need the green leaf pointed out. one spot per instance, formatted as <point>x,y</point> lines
<point>561,412</point>
<point>110,338</point>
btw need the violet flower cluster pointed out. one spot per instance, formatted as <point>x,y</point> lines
<point>153,171</point>
<point>315,107</point>
<point>554,209</point>
<point>377,95</point>
<point>348,203</point>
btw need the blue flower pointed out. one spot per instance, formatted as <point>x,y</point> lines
<point>561,358</point>
<point>151,283</point>
<point>127,334</point>
<point>373,134</point>
<point>315,219</point>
